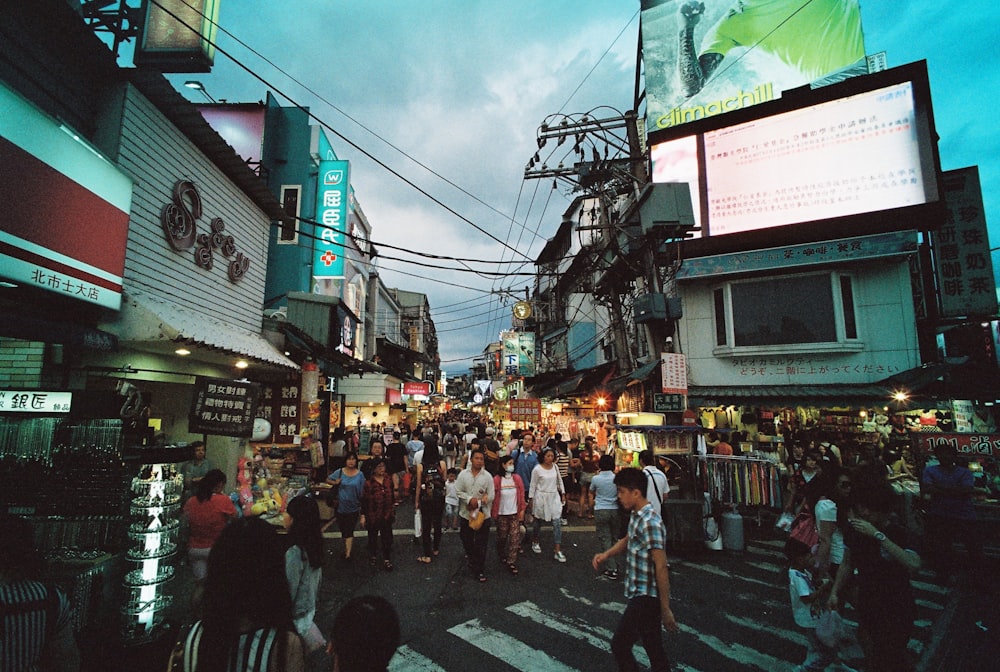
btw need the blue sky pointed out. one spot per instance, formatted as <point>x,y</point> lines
<point>462,86</point>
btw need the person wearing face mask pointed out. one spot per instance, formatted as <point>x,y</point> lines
<point>508,512</point>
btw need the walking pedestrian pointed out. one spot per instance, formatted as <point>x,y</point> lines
<point>508,511</point>
<point>350,482</point>
<point>883,556</point>
<point>429,498</point>
<point>647,578</point>
<point>607,520</point>
<point>378,505</point>
<point>547,498</point>
<point>475,493</point>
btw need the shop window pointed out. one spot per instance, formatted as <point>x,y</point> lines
<point>290,197</point>
<point>798,313</point>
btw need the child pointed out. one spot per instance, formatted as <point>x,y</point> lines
<point>451,501</point>
<point>806,599</point>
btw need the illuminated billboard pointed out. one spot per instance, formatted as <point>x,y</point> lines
<point>66,208</point>
<point>331,213</point>
<point>861,146</point>
<point>704,58</point>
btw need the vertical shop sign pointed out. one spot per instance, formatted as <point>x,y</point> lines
<point>331,213</point>
<point>223,407</point>
<point>962,249</point>
<point>526,353</point>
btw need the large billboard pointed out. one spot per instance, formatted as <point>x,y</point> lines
<point>704,58</point>
<point>861,146</point>
<point>66,208</point>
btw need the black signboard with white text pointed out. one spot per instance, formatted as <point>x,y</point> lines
<point>223,407</point>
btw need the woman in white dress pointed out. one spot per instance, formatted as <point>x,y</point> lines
<point>547,498</point>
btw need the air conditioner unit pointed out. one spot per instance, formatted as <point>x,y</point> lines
<point>665,209</point>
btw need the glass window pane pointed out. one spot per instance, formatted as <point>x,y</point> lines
<point>781,311</point>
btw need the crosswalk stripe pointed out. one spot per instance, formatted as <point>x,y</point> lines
<point>408,660</point>
<point>765,551</point>
<point>788,635</point>
<point>596,636</point>
<point>929,605</point>
<point>767,567</point>
<point>512,651</point>
<point>710,569</point>
<point>930,587</point>
<point>742,655</point>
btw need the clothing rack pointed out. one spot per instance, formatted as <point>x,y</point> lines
<point>738,480</point>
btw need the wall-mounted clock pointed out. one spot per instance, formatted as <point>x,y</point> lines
<point>522,310</point>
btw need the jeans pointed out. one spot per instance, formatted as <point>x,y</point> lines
<point>641,621</point>
<point>608,523</point>
<point>556,530</point>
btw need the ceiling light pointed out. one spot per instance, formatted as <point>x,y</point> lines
<point>242,364</point>
<point>183,352</point>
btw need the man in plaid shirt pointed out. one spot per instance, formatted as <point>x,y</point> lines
<point>647,579</point>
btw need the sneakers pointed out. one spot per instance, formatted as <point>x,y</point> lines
<point>536,547</point>
<point>563,521</point>
<point>610,574</point>
<point>559,556</point>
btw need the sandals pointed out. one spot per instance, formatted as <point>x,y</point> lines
<point>513,569</point>
<point>387,566</point>
<point>424,559</point>
<point>482,578</point>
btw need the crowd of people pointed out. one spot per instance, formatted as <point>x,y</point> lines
<point>468,477</point>
<point>853,539</point>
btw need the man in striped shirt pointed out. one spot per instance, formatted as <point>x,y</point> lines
<point>647,579</point>
<point>34,617</point>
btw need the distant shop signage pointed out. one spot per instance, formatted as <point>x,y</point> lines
<point>525,410</point>
<point>972,445</point>
<point>417,388</point>
<point>666,403</point>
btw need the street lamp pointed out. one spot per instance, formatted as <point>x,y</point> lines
<point>198,86</point>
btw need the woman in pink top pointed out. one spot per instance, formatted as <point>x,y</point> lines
<point>207,513</point>
<point>508,510</point>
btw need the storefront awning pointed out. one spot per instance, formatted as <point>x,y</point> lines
<point>617,385</point>
<point>786,395</point>
<point>150,323</point>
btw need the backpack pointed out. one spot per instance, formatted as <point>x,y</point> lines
<point>449,443</point>
<point>433,485</point>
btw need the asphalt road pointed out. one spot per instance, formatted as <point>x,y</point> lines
<point>732,607</point>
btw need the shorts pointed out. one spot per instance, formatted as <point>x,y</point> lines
<point>198,559</point>
<point>346,522</point>
<point>585,478</point>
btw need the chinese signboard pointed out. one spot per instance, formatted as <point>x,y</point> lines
<point>223,407</point>
<point>518,354</point>
<point>34,401</point>
<point>962,248</point>
<point>331,213</point>
<point>66,209</point>
<point>280,405</point>
<point>666,403</point>
<point>525,410</point>
<point>971,445</point>
<point>674,373</point>
<point>846,249</point>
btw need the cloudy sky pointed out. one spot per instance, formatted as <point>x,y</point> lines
<point>449,94</point>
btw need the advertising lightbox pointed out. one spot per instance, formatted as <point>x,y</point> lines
<point>331,213</point>
<point>66,208</point>
<point>861,146</point>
